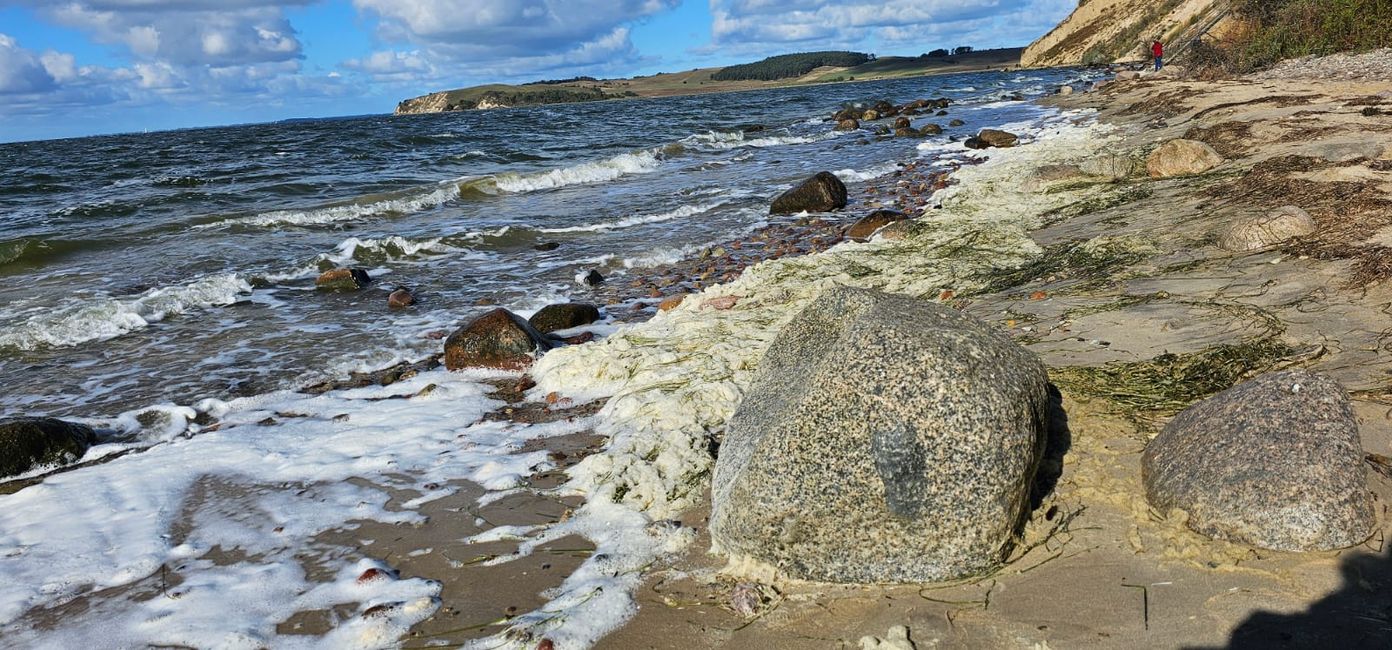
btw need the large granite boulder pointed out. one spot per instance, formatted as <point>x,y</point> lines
<point>1180,157</point>
<point>998,138</point>
<point>885,439</point>
<point>563,316</point>
<point>26,443</point>
<point>498,339</point>
<point>821,193</point>
<point>1274,463</point>
<point>862,230</point>
<point>1266,230</point>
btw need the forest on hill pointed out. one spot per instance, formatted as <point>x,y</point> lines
<point>786,66</point>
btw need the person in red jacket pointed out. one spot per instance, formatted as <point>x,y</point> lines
<point>1159,51</point>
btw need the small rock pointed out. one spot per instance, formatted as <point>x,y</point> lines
<point>1113,166</point>
<point>670,303</point>
<point>547,246</point>
<point>821,193</point>
<point>848,124</point>
<point>1267,230</point>
<point>1065,90</point>
<point>901,123</point>
<point>906,132</point>
<point>592,279</point>
<point>931,129</point>
<point>956,122</point>
<point>401,298</point>
<point>1038,295</point>
<point>998,138</point>
<point>870,223</point>
<point>342,279</point>
<point>870,115</point>
<point>722,302</point>
<point>1274,463</point>
<point>26,443</point>
<point>896,639</point>
<point>498,339</point>
<point>1180,157</point>
<point>564,316</point>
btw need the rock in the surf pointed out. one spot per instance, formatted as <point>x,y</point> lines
<point>930,129</point>
<point>885,439</point>
<point>998,138</point>
<point>901,123</point>
<point>1266,230</point>
<point>906,132</point>
<point>956,122</point>
<point>563,316</point>
<point>401,298</point>
<point>498,339</point>
<point>27,443</point>
<point>592,278</point>
<point>1274,463</point>
<point>342,279</point>
<point>870,115</point>
<point>1180,157</point>
<point>870,223</point>
<point>547,246</point>
<point>821,193</point>
<point>848,124</point>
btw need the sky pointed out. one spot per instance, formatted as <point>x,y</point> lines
<point>81,67</point>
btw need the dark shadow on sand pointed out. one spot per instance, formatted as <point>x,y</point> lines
<point>1058,440</point>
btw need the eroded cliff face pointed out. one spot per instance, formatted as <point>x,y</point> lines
<point>1114,31</point>
<point>432,103</point>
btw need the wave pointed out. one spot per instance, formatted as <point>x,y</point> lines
<point>638,220</point>
<point>99,319</point>
<point>601,171</point>
<point>724,140</point>
<point>395,247</point>
<point>35,251</point>
<point>358,209</point>
<point>853,176</point>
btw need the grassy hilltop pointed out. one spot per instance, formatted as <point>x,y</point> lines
<point>773,72</point>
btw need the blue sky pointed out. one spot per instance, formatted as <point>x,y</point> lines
<point>80,67</point>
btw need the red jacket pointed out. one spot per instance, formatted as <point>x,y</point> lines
<point>1157,49</point>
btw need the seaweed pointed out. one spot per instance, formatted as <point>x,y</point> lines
<point>1168,383</point>
<point>1091,260</point>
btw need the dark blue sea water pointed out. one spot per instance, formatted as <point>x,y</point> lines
<point>168,267</point>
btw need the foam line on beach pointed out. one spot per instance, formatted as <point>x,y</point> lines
<point>673,380</point>
<point>54,548</point>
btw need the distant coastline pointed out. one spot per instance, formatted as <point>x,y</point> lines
<point>699,82</point>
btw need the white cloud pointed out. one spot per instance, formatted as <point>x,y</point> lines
<point>22,71</point>
<point>779,24</point>
<point>516,37</point>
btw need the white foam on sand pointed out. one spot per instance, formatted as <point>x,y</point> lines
<point>673,381</point>
<point>216,523</point>
<point>100,318</point>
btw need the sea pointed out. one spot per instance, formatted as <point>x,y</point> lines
<point>173,273</point>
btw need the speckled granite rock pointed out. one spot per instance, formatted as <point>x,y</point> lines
<point>886,439</point>
<point>1266,230</point>
<point>26,443</point>
<point>1274,462</point>
<point>1111,165</point>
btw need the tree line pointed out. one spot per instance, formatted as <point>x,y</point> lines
<point>784,66</point>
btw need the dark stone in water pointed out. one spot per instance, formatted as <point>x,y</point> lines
<point>343,279</point>
<point>593,278</point>
<point>401,298</point>
<point>547,246</point>
<point>564,316</point>
<point>956,122</point>
<point>753,128</point>
<point>498,339</point>
<point>26,443</point>
<point>821,193</point>
<point>931,129</point>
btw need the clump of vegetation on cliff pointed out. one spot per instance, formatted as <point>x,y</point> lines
<point>1272,30</point>
<point>790,65</point>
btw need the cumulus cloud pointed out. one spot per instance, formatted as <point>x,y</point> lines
<point>186,33</point>
<point>824,23</point>
<point>22,71</point>
<point>509,37</point>
<point>389,64</point>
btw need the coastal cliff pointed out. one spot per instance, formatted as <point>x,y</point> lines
<point>1114,31</point>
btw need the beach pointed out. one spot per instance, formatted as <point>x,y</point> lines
<point>382,501</point>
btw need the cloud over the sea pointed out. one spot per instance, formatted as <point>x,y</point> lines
<point>784,25</point>
<point>516,37</point>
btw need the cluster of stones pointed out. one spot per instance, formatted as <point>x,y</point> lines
<point>851,117</point>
